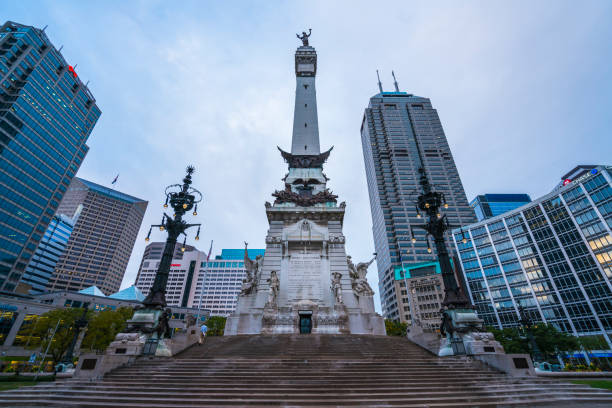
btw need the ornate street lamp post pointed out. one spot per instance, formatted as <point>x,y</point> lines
<point>182,198</point>
<point>152,318</point>
<point>458,315</point>
<point>436,224</point>
<point>527,325</point>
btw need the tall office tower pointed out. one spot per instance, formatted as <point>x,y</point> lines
<point>221,279</point>
<point>491,205</point>
<point>401,133</point>
<point>552,256</point>
<point>46,116</point>
<point>50,249</point>
<point>101,242</point>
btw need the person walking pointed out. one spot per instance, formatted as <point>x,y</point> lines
<point>203,331</point>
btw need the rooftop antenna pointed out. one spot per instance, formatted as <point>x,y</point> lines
<point>395,82</point>
<point>43,30</point>
<point>60,48</point>
<point>379,84</point>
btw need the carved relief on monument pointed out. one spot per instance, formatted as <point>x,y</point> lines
<point>303,200</point>
<point>273,240</point>
<point>304,276</point>
<point>305,230</point>
<point>337,239</point>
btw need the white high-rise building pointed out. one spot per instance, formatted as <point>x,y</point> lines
<point>194,283</point>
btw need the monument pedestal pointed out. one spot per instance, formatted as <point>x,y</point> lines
<point>316,289</point>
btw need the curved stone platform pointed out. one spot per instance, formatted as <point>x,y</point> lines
<point>307,371</point>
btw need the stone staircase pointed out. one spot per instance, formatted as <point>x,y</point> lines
<point>306,371</point>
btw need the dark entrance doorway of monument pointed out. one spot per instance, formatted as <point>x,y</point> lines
<point>305,321</point>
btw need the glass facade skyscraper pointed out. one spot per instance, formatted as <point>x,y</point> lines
<point>552,256</point>
<point>51,247</point>
<point>46,116</point>
<point>490,205</point>
<point>401,133</point>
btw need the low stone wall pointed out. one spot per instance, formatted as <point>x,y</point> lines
<point>178,343</point>
<point>94,366</point>
<point>515,365</point>
<point>428,341</point>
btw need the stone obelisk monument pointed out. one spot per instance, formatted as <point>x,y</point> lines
<point>305,283</point>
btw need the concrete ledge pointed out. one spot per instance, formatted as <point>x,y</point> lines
<point>96,365</point>
<point>574,374</point>
<point>42,374</point>
<point>515,365</point>
<point>427,341</point>
<point>178,343</point>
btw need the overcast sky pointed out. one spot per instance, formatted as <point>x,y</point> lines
<point>523,90</point>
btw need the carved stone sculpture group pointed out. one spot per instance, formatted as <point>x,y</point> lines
<point>358,273</point>
<point>253,272</point>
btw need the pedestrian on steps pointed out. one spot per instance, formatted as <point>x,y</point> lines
<point>203,331</point>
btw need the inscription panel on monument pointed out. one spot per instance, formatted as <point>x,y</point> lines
<point>304,278</point>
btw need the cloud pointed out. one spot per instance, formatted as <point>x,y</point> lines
<point>522,90</point>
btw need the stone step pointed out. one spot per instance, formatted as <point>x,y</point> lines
<point>106,386</point>
<point>306,371</point>
<point>428,401</point>
<point>302,371</point>
<point>222,393</point>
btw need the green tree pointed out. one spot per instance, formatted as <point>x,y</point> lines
<point>104,326</point>
<point>590,343</point>
<point>216,325</point>
<point>395,328</point>
<point>42,333</point>
<point>551,341</point>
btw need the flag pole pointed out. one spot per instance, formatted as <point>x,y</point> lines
<point>203,282</point>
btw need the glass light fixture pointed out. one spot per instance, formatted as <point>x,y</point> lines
<point>445,205</point>
<point>185,205</point>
